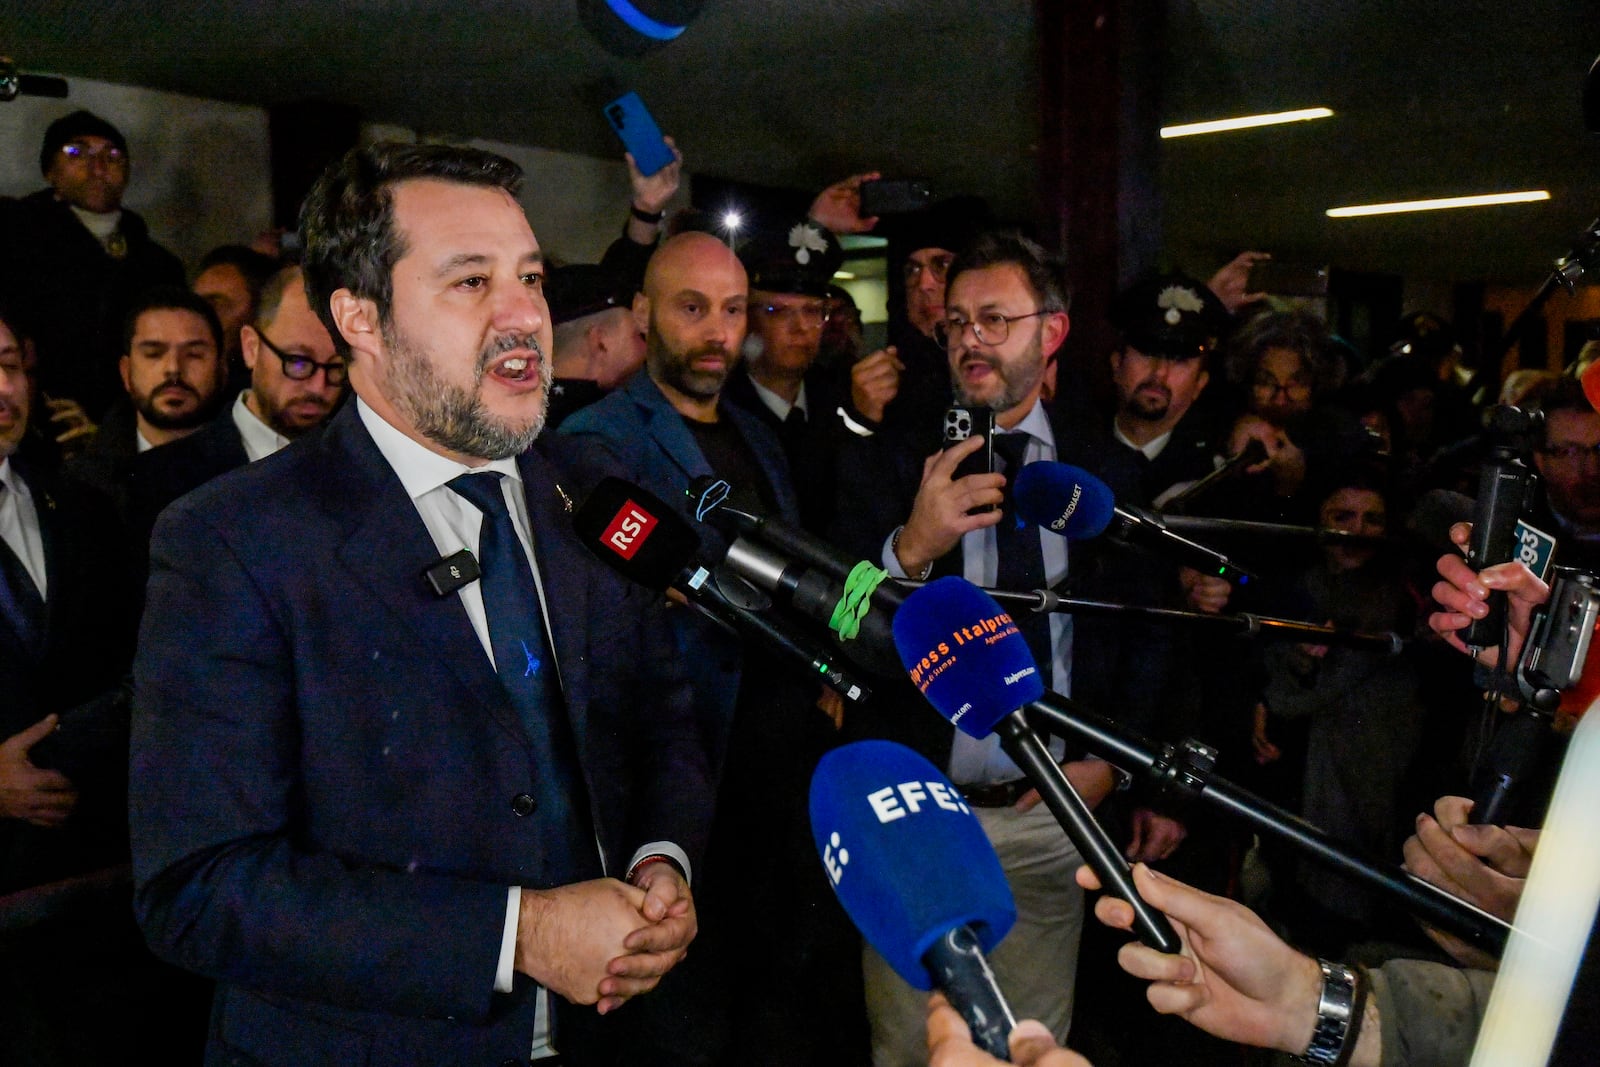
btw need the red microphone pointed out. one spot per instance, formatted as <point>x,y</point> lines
<point>1591,384</point>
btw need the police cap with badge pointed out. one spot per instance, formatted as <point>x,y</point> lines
<point>1171,316</point>
<point>582,289</point>
<point>800,257</point>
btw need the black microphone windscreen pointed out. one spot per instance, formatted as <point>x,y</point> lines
<point>635,533</point>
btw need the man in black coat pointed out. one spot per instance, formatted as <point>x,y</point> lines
<point>66,639</point>
<point>72,260</point>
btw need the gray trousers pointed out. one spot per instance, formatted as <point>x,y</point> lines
<point>1035,965</point>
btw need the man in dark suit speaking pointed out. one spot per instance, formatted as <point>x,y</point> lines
<point>401,812</point>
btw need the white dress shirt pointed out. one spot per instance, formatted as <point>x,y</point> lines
<point>19,525</point>
<point>260,440</point>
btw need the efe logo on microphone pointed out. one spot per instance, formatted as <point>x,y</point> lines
<point>628,529</point>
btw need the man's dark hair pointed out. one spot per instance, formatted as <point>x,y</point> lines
<point>1297,330</point>
<point>1562,394</point>
<point>272,294</point>
<point>170,298</point>
<point>347,226</point>
<point>253,266</point>
<point>995,248</point>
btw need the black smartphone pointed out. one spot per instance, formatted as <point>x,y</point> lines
<point>1288,279</point>
<point>894,197</point>
<point>961,423</point>
<point>639,132</point>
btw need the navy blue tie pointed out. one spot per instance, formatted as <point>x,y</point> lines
<point>20,600</point>
<point>527,672</point>
<point>1020,566</point>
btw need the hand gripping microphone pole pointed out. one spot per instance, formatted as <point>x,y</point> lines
<point>969,659</point>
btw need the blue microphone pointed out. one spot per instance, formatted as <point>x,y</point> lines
<point>1072,502</point>
<point>966,655</point>
<point>915,872</point>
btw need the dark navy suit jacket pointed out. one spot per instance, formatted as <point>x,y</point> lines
<point>78,671</point>
<point>637,430</point>
<point>324,762</point>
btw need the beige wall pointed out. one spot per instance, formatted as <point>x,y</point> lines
<point>201,174</point>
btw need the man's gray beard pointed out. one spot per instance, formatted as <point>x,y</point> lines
<point>452,417</point>
<point>1012,393</point>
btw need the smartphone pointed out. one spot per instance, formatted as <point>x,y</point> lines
<point>894,197</point>
<point>961,423</point>
<point>1288,279</point>
<point>639,133</point>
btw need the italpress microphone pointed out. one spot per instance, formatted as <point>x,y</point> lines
<point>1072,502</point>
<point>966,655</point>
<point>915,872</point>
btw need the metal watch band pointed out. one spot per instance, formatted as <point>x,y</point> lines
<point>1335,1011</point>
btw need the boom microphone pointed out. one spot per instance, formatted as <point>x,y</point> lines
<point>1072,502</point>
<point>967,656</point>
<point>915,872</point>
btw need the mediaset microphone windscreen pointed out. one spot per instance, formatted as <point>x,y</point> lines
<point>1063,499</point>
<point>906,856</point>
<point>1072,502</point>
<point>966,655</point>
<point>635,533</point>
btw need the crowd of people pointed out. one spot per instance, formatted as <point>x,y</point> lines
<point>328,740</point>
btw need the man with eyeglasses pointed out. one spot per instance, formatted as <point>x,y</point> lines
<point>903,388</point>
<point>1004,317</point>
<point>1568,460</point>
<point>173,376</point>
<point>297,380</point>
<point>790,268</point>
<point>72,260</point>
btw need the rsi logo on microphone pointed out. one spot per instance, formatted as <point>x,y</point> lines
<point>628,529</point>
<point>1059,523</point>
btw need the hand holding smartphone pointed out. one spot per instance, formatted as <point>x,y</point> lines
<point>639,133</point>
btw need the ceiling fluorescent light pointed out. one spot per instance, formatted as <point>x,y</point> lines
<point>1486,200</point>
<point>1245,122</point>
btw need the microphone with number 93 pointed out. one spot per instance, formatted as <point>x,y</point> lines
<point>914,870</point>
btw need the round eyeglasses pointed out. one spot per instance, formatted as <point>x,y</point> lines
<point>990,327</point>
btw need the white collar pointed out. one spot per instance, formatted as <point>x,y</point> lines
<point>421,469</point>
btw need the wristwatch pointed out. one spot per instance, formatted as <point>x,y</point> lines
<point>1338,1016</point>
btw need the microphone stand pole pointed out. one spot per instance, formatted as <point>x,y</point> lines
<point>1020,742</point>
<point>1584,257</point>
<point>1186,771</point>
<point>1246,623</point>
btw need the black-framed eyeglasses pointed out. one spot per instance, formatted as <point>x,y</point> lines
<point>300,368</point>
<point>1571,453</point>
<point>990,327</point>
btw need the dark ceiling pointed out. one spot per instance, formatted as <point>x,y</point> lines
<point>1433,97</point>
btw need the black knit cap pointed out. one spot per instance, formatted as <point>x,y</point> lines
<point>69,128</point>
